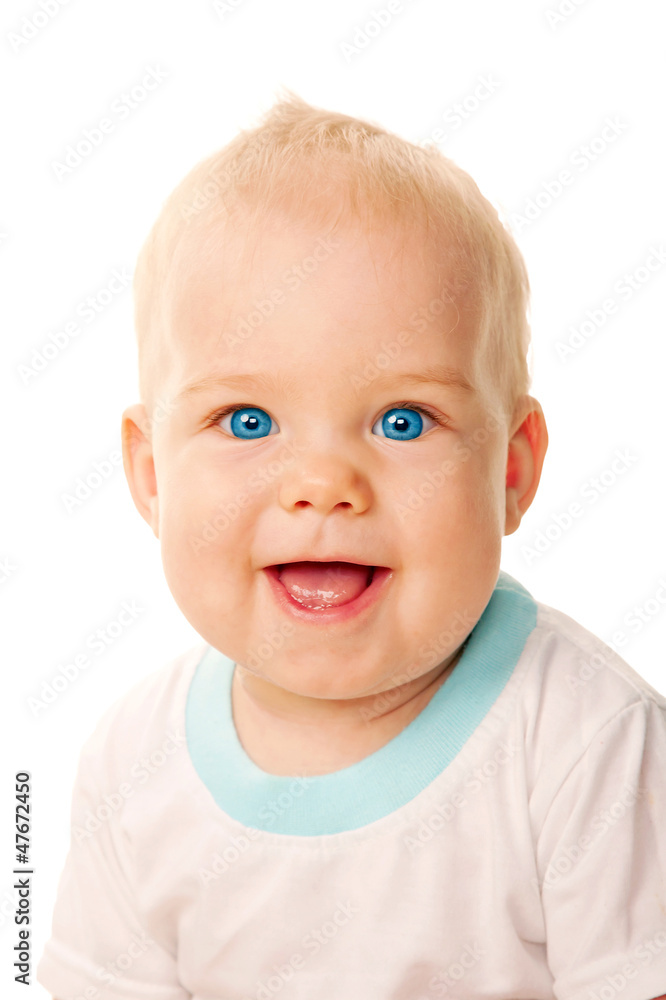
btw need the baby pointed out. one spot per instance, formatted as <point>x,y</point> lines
<point>387,772</point>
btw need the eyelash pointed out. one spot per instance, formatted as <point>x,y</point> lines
<point>403,405</point>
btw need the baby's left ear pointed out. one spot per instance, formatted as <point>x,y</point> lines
<point>526,452</point>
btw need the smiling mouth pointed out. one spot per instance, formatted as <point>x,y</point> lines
<point>318,585</point>
<point>328,593</point>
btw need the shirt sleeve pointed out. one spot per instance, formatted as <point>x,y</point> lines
<point>99,946</point>
<point>601,858</point>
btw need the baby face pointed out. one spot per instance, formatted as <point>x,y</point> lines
<point>323,408</point>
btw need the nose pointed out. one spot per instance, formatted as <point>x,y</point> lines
<point>325,482</point>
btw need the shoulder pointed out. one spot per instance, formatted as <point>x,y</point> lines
<point>562,668</point>
<point>567,655</point>
<point>567,687</point>
<point>576,698</point>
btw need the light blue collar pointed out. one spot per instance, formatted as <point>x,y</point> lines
<point>387,779</point>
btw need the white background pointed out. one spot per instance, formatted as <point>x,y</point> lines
<point>555,85</point>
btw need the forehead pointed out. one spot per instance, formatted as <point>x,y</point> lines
<point>243,293</point>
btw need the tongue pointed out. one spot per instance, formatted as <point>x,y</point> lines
<point>324,584</point>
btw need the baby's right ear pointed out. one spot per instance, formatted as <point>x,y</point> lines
<point>139,464</point>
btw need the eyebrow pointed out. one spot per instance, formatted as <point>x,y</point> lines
<point>439,374</point>
<point>250,380</point>
<point>450,378</point>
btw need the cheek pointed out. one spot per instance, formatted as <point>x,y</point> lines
<point>486,486</point>
<point>202,498</point>
<point>208,525</point>
<point>471,502</point>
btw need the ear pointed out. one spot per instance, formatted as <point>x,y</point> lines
<point>139,464</point>
<point>526,452</point>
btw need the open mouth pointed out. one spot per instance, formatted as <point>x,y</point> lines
<point>324,584</point>
<point>325,587</point>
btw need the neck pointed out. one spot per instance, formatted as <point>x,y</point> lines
<point>268,708</point>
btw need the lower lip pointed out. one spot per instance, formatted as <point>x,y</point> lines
<point>340,613</point>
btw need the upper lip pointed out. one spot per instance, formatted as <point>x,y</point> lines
<point>335,557</point>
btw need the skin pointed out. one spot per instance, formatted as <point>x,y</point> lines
<point>332,483</point>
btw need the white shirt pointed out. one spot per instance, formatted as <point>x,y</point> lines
<point>509,843</point>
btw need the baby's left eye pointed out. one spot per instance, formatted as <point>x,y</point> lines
<point>402,423</point>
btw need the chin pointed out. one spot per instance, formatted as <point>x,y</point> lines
<point>323,680</point>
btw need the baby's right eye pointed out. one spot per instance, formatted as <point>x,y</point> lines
<point>246,422</point>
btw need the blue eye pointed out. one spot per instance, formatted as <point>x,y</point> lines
<point>402,423</point>
<point>249,423</point>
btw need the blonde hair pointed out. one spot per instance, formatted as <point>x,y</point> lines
<point>325,167</point>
